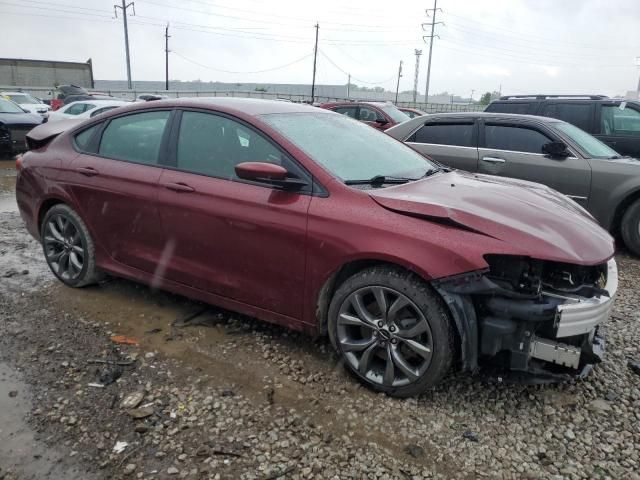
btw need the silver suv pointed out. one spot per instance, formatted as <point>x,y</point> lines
<point>537,149</point>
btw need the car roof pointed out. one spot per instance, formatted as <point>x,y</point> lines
<point>512,116</point>
<point>562,98</point>
<point>357,102</point>
<point>14,93</point>
<point>100,103</point>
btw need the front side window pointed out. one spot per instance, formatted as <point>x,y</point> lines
<point>9,107</point>
<point>393,112</point>
<point>458,134</point>
<point>620,121</point>
<point>23,99</point>
<point>516,139</point>
<point>213,145</point>
<point>136,138</point>
<point>349,150</point>
<point>590,144</point>
<point>348,111</point>
<point>579,114</point>
<point>78,108</point>
<point>367,114</point>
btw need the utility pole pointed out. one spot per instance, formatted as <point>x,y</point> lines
<point>166,57</point>
<point>124,8</point>
<point>431,38</point>
<point>349,88</point>
<point>398,84</point>
<point>472,92</point>
<point>315,57</point>
<point>638,89</point>
<point>415,77</point>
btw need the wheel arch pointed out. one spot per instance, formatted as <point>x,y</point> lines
<point>47,205</point>
<point>621,208</point>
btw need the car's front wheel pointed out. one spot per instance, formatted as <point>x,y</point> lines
<point>392,330</point>
<point>68,247</point>
<point>630,228</point>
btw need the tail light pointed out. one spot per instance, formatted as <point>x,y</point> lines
<point>19,162</point>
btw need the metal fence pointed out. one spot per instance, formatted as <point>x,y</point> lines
<point>47,93</point>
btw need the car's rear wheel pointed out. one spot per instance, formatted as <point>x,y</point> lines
<point>68,247</point>
<point>392,331</point>
<point>630,228</point>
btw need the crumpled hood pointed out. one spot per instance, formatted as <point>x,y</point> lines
<point>532,218</point>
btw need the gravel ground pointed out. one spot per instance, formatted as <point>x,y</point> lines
<point>231,397</point>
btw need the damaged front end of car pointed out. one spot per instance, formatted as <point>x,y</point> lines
<point>530,320</point>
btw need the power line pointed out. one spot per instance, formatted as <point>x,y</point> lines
<point>240,72</point>
<point>351,76</point>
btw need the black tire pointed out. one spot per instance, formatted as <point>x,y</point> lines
<point>74,229</point>
<point>397,286</point>
<point>630,228</point>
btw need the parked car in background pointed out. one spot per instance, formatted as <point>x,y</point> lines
<point>614,121</point>
<point>27,102</point>
<point>412,112</point>
<point>62,92</point>
<point>14,125</point>
<point>379,115</point>
<point>85,109</point>
<point>538,149</point>
<point>305,218</point>
<point>147,97</point>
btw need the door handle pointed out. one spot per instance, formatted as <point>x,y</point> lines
<point>493,160</point>
<point>179,187</point>
<point>87,171</point>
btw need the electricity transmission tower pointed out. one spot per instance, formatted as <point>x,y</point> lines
<point>431,37</point>
<point>124,8</point>
<point>415,77</point>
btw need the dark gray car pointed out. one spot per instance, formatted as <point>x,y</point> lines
<point>537,149</point>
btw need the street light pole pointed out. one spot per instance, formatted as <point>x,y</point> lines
<point>398,84</point>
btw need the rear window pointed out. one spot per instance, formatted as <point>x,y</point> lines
<point>521,108</point>
<point>83,139</point>
<point>458,134</point>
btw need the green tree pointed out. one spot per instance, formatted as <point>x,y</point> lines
<point>485,99</point>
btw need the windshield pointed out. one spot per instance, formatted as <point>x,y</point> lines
<point>23,99</point>
<point>394,113</point>
<point>349,149</point>
<point>591,145</point>
<point>9,107</point>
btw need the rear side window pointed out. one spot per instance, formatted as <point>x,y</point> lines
<point>521,108</point>
<point>78,108</point>
<point>83,139</point>
<point>348,111</point>
<point>458,134</point>
<point>516,139</point>
<point>579,114</point>
<point>367,114</point>
<point>135,138</point>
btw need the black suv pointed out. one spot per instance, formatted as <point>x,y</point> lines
<point>614,121</point>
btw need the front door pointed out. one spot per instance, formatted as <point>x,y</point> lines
<point>241,240</point>
<point>115,185</point>
<point>515,150</point>
<point>619,127</point>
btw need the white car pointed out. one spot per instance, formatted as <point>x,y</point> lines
<point>84,109</point>
<point>27,102</point>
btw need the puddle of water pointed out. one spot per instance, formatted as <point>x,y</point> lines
<point>21,454</point>
<point>8,204</point>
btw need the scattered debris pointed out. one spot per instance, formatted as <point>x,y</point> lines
<point>120,447</point>
<point>13,393</point>
<point>634,365</point>
<point>95,385</point>
<point>284,472</point>
<point>599,406</point>
<point>149,355</point>
<point>132,400</point>
<point>153,331</point>
<point>142,412</point>
<point>469,435</point>
<point>270,393</point>
<point>227,392</point>
<point>109,375</point>
<point>123,340</point>
<point>414,450</point>
<point>190,320</point>
<point>173,471</point>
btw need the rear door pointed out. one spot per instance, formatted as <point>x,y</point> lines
<point>619,127</point>
<point>115,183</point>
<point>515,150</point>
<point>450,142</point>
<point>238,239</point>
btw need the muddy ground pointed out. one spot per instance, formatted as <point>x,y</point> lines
<point>231,397</point>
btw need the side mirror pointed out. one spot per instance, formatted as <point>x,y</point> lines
<point>382,121</point>
<point>556,150</point>
<point>268,173</point>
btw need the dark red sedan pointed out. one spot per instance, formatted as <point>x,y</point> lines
<point>306,218</point>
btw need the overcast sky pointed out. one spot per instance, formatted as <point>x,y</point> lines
<point>527,46</point>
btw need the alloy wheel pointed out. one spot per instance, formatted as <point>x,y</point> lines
<point>384,336</point>
<point>63,247</point>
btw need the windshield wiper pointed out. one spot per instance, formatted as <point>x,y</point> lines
<point>380,180</point>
